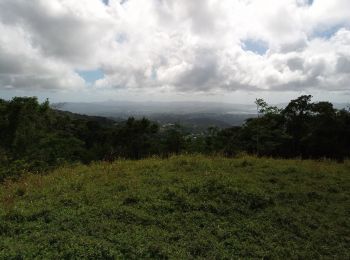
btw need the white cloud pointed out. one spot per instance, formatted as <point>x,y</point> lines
<point>177,46</point>
<point>23,66</point>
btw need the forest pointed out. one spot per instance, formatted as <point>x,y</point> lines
<point>36,138</point>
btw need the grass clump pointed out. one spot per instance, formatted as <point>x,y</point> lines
<point>182,207</point>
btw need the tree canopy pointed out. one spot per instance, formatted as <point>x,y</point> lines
<point>34,137</point>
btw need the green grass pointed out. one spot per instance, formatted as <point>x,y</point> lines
<point>183,207</point>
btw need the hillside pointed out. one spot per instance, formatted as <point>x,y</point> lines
<point>182,207</point>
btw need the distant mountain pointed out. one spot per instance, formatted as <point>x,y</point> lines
<point>197,115</point>
<point>341,105</point>
<point>146,108</point>
<point>201,121</point>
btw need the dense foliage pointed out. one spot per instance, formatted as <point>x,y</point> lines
<point>302,129</point>
<point>34,137</point>
<point>183,207</point>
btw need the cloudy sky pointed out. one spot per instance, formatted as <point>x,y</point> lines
<point>207,50</point>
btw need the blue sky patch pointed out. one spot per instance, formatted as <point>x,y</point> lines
<point>327,33</point>
<point>256,46</point>
<point>154,75</point>
<point>91,76</point>
<point>106,2</point>
<point>121,38</point>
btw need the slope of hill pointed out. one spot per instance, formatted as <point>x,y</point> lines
<point>182,207</point>
<point>104,121</point>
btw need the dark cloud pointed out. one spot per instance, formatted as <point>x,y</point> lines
<point>296,63</point>
<point>204,73</point>
<point>343,64</point>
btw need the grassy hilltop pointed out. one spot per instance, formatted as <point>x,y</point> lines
<point>182,207</point>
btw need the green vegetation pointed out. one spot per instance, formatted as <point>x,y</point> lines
<point>36,138</point>
<point>65,192</point>
<point>182,207</point>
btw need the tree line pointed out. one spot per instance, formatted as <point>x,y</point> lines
<point>302,129</point>
<point>37,138</point>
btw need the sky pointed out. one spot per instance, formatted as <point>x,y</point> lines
<point>166,50</point>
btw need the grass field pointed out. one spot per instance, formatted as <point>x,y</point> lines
<point>182,207</point>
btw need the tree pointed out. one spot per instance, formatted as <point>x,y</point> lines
<point>135,138</point>
<point>296,116</point>
<point>174,140</point>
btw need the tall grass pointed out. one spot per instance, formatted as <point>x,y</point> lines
<point>182,207</point>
